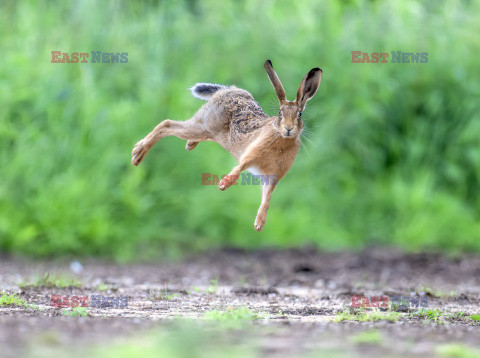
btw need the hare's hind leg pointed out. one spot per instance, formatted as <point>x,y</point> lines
<point>267,190</point>
<point>193,129</point>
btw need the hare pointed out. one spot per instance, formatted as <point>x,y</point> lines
<point>263,145</point>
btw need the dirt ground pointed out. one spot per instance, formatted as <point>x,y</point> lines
<point>298,293</point>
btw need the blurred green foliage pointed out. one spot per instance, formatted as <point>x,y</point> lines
<point>391,152</point>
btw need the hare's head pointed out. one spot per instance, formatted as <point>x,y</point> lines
<point>289,121</point>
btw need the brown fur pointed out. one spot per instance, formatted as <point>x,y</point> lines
<point>233,119</point>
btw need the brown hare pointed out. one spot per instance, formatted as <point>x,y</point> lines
<point>231,117</point>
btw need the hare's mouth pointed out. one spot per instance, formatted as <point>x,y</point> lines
<point>289,133</point>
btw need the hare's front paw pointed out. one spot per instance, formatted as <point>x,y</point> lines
<point>260,222</point>
<point>227,181</point>
<point>191,144</point>
<point>139,152</point>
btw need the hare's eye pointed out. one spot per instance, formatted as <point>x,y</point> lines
<point>300,115</point>
<point>279,112</point>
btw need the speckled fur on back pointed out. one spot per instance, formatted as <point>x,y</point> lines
<point>240,111</point>
<point>231,117</point>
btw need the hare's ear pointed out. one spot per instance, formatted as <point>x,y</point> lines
<point>275,82</point>
<point>308,87</point>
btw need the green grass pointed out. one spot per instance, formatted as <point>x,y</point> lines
<point>102,287</point>
<point>75,312</point>
<point>9,300</point>
<point>233,317</point>
<point>184,339</point>
<point>371,336</point>
<point>457,315</point>
<point>49,280</point>
<point>241,313</point>
<point>163,295</point>
<point>475,317</point>
<point>438,316</point>
<point>367,316</point>
<point>457,350</point>
<point>435,293</point>
<point>213,288</point>
<point>429,315</point>
<point>392,155</point>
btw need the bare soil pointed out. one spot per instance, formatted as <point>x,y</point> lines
<point>299,292</point>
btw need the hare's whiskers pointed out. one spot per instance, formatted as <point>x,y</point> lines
<point>316,146</point>
<point>305,148</point>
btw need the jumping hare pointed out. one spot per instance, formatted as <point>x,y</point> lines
<point>231,117</point>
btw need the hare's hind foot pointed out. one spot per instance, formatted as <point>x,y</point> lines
<point>261,218</point>
<point>260,222</point>
<point>191,145</point>
<point>140,151</point>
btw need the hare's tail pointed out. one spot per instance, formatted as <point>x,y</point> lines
<point>205,90</point>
